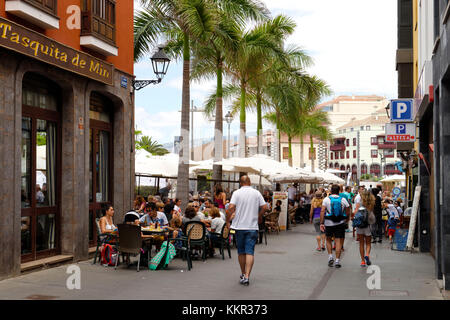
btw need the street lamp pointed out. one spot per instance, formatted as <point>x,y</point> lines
<point>228,119</point>
<point>160,64</point>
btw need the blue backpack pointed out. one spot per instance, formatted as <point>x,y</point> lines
<point>361,219</point>
<point>337,213</point>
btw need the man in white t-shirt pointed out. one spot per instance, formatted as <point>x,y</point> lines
<point>246,209</point>
<point>334,224</point>
<point>292,193</point>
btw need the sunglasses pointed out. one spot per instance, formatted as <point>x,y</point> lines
<point>196,206</point>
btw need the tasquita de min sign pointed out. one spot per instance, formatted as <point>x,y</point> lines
<point>33,44</point>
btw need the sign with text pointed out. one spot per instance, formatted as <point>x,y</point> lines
<point>402,110</point>
<point>35,45</point>
<point>283,197</point>
<point>401,132</point>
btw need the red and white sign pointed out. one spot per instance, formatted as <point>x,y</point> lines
<point>401,132</point>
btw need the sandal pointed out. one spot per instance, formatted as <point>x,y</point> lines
<point>318,249</point>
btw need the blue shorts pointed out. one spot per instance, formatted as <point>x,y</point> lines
<point>246,241</point>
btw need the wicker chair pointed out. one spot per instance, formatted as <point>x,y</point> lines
<point>196,237</point>
<point>291,214</point>
<point>222,241</point>
<point>272,221</point>
<point>103,238</point>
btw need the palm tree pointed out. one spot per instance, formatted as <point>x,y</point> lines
<point>212,52</point>
<point>254,48</point>
<point>178,22</point>
<point>151,146</point>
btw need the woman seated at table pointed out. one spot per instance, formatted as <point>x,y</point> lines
<point>215,231</point>
<point>190,215</point>
<point>106,222</point>
<point>139,204</point>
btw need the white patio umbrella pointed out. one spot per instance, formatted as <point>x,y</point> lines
<point>162,166</point>
<point>394,178</point>
<point>255,181</point>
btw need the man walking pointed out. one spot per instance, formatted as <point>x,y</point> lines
<point>246,210</point>
<point>334,217</point>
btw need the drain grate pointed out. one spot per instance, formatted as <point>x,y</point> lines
<point>388,293</point>
<point>40,297</point>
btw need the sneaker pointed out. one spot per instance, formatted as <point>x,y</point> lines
<point>367,260</point>
<point>337,264</point>
<point>380,241</point>
<point>241,278</point>
<point>330,262</point>
<point>363,264</point>
<point>318,249</point>
<point>323,248</point>
<point>245,282</point>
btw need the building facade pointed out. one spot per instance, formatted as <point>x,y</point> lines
<point>440,148</point>
<point>66,122</point>
<point>360,147</point>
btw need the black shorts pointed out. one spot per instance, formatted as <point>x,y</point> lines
<point>336,231</point>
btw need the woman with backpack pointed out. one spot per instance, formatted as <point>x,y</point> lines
<point>365,217</point>
<point>316,207</point>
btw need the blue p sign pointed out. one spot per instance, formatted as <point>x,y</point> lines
<point>401,128</point>
<point>401,110</point>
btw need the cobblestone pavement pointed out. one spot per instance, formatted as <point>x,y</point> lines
<point>288,268</point>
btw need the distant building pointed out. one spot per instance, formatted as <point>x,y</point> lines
<point>364,140</point>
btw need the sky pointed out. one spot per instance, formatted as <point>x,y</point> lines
<point>352,42</point>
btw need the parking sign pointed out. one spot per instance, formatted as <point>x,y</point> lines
<point>401,110</point>
<point>401,132</point>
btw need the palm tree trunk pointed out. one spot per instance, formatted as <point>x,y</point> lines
<point>242,132</point>
<point>311,152</point>
<point>278,135</point>
<point>218,132</point>
<point>290,150</point>
<point>259,120</point>
<point>183,165</point>
<point>302,154</point>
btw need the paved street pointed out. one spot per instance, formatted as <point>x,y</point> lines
<point>287,268</point>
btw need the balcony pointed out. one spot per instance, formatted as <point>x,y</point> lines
<point>391,172</point>
<point>337,147</point>
<point>42,13</point>
<point>98,26</point>
<point>387,145</point>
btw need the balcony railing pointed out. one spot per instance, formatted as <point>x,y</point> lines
<point>387,145</point>
<point>337,147</point>
<point>48,6</point>
<point>391,171</point>
<point>98,18</point>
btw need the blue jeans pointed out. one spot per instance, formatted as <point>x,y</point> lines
<point>246,241</point>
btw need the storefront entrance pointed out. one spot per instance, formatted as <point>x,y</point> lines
<point>40,168</point>
<point>100,160</point>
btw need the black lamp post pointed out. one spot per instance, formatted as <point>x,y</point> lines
<point>160,64</point>
<point>228,119</point>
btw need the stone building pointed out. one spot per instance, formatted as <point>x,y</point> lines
<point>66,125</point>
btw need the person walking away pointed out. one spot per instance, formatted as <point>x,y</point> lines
<point>246,209</point>
<point>363,231</point>
<point>316,208</point>
<point>378,211</point>
<point>334,217</point>
<point>393,218</point>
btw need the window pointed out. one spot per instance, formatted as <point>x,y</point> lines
<point>362,128</point>
<point>327,109</point>
<point>354,142</point>
<point>348,154</point>
<point>337,155</point>
<point>347,142</point>
<point>389,153</point>
<point>374,153</point>
<point>285,152</point>
<point>342,155</point>
<point>354,154</point>
<point>374,141</point>
<point>344,131</point>
<point>340,131</point>
<point>367,128</point>
<point>332,156</point>
<point>352,129</point>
